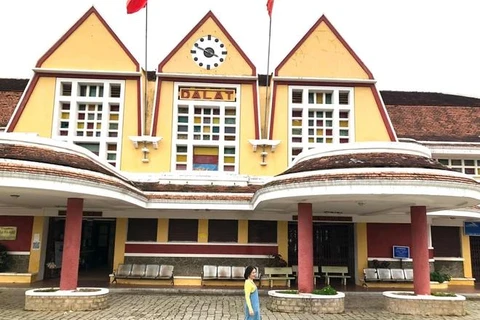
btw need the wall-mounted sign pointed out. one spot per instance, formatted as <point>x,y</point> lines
<point>401,252</point>
<point>208,94</point>
<point>8,233</point>
<point>472,228</point>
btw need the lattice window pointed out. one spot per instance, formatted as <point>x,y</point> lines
<point>89,114</point>
<point>206,133</point>
<point>319,115</point>
<point>467,166</point>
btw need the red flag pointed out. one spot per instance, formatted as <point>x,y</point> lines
<point>270,7</point>
<point>135,5</point>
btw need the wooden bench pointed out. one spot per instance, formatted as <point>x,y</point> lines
<point>284,273</point>
<point>315,273</point>
<point>144,271</point>
<point>335,272</point>
<point>211,272</point>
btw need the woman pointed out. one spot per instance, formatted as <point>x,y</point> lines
<point>252,303</point>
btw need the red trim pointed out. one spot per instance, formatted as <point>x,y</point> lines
<point>339,37</point>
<point>87,76</point>
<point>322,83</point>
<point>157,108</point>
<point>139,107</point>
<point>91,11</point>
<point>383,113</point>
<point>201,249</point>
<point>272,113</point>
<point>206,79</point>
<point>383,236</point>
<point>255,110</point>
<point>190,34</point>
<point>23,103</point>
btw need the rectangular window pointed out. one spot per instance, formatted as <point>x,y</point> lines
<point>205,133</point>
<point>183,230</point>
<point>319,115</point>
<point>260,231</point>
<point>446,242</point>
<point>222,231</point>
<point>467,166</point>
<point>89,114</point>
<point>142,230</point>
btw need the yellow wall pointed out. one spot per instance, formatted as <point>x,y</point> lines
<point>35,255</point>
<point>278,161</point>
<point>362,252</point>
<point>467,258</point>
<point>120,239</point>
<point>162,230</point>
<point>203,231</point>
<point>90,47</point>
<point>38,113</point>
<point>242,231</point>
<point>322,55</point>
<point>369,125</point>
<point>282,239</point>
<point>131,158</point>
<point>182,62</point>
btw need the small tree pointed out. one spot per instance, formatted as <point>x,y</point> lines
<point>3,258</point>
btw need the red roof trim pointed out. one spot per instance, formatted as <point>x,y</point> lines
<point>383,113</point>
<point>19,110</point>
<point>335,32</point>
<point>91,11</point>
<point>189,35</point>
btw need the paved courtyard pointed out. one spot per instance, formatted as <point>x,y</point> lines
<point>151,304</point>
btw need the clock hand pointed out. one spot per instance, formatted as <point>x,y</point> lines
<point>208,51</point>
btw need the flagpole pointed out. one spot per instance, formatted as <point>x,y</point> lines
<point>146,65</point>
<point>267,98</point>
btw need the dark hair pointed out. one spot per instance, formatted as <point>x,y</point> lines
<point>248,271</point>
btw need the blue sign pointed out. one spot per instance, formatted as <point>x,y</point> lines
<point>401,252</point>
<point>472,228</point>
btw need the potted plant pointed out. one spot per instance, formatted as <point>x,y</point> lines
<point>3,258</point>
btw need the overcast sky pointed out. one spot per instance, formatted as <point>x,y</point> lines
<point>416,45</point>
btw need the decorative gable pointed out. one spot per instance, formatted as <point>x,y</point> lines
<point>208,49</point>
<point>90,44</point>
<point>323,53</point>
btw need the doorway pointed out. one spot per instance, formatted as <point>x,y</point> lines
<point>475,256</point>
<point>96,247</point>
<point>333,245</point>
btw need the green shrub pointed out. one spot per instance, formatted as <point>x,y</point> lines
<point>3,258</point>
<point>439,277</point>
<point>326,291</point>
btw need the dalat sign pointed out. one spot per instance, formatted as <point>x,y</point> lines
<point>212,94</point>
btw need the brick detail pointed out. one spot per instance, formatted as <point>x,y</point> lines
<point>305,305</point>
<point>66,303</point>
<point>443,307</point>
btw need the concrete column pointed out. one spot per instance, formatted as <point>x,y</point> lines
<point>421,267</point>
<point>305,248</point>
<point>71,244</point>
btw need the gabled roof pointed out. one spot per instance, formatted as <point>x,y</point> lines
<point>414,98</point>
<point>209,15</point>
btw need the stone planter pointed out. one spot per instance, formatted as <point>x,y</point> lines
<point>425,305</point>
<point>305,302</point>
<point>82,299</point>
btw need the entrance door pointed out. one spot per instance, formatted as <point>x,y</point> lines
<point>333,245</point>
<point>475,252</point>
<point>96,251</point>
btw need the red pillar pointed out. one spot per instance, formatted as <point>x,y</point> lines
<point>305,248</point>
<point>71,244</point>
<point>421,267</point>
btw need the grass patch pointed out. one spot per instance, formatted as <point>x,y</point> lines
<point>325,291</point>
<point>47,290</point>
<point>288,291</point>
<point>443,294</point>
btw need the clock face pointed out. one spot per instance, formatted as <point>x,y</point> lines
<point>208,52</point>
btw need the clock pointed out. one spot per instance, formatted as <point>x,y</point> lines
<point>208,52</point>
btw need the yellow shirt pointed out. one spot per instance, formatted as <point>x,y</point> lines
<point>249,288</point>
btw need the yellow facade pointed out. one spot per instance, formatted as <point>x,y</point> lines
<point>91,46</point>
